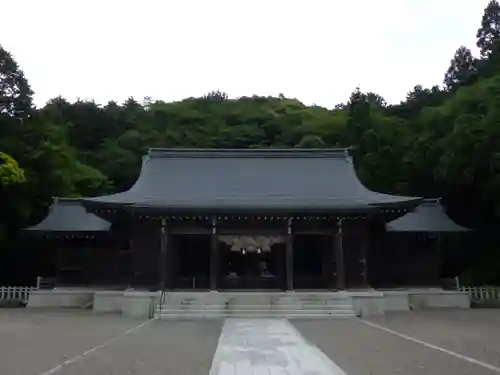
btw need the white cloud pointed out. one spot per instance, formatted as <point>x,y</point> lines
<point>315,50</point>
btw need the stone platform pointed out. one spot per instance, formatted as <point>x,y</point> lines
<point>215,304</point>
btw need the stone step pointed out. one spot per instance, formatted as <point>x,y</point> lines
<point>284,306</point>
<point>256,305</point>
<point>254,315</point>
<point>317,307</point>
<point>291,313</point>
<point>187,317</point>
<point>285,316</point>
<point>348,302</point>
<point>263,311</point>
<point>263,300</point>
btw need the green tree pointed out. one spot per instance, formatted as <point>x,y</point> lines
<point>462,70</point>
<point>416,100</point>
<point>15,92</point>
<point>10,172</point>
<point>311,141</point>
<point>359,118</point>
<point>488,34</point>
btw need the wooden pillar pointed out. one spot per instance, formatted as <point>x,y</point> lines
<point>59,261</point>
<point>326,264</point>
<point>279,258</point>
<point>339,255</point>
<point>332,263</point>
<point>214,257</point>
<point>410,243</point>
<point>124,260</point>
<point>133,276</point>
<point>289,257</point>
<point>90,252</point>
<point>164,261</point>
<point>437,258</point>
<point>364,262</point>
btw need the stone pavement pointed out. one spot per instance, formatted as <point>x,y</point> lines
<point>267,347</point>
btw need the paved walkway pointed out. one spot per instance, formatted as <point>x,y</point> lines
<point>267,346</point>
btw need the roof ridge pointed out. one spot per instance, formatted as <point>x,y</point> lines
<point>248,152</point>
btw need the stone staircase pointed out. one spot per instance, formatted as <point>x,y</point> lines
<point>219,305</point>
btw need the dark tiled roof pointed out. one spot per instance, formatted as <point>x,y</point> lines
<point>429,216</point>
<point>69,215</point>
<point>250,179</point>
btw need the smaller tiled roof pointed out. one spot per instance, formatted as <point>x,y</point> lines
<point>68,215</point>
<point>429,216</point>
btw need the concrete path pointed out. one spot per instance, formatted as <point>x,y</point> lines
<point>267,346</point>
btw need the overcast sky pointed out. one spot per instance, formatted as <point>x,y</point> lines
<point>316,50</point>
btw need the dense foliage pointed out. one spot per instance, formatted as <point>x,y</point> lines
<point>439,141</point>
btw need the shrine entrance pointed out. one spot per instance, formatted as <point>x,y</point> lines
<point>252,262</point>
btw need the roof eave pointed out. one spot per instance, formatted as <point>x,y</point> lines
<point>410,202</point>
<point>217,210</point>
<point>45,232</point>
<point>395,229</point>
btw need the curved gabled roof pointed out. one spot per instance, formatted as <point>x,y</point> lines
<point>253,179</point>
<point>68,215</point>
<point>429,216</point>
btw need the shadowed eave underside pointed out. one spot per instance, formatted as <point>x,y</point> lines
<point>429,216</point>
<point>67,215</point>
<point>271,180</point>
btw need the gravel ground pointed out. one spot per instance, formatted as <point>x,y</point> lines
<point>474,333</point>
<point>360,349</point>
<point>33,342</point>
<point>160,347</point>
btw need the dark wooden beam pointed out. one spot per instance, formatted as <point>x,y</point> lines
<point>289,257</point>
<point>315,232</point>
<point>364,261</point>
<point>164,269</point>
<point>190,230</point>
<point>327,270</point>
<point>90,254</point>
<point>241,231</point>
<point>59,263</point>
<point>339,255</point>
<point>214,257</point>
